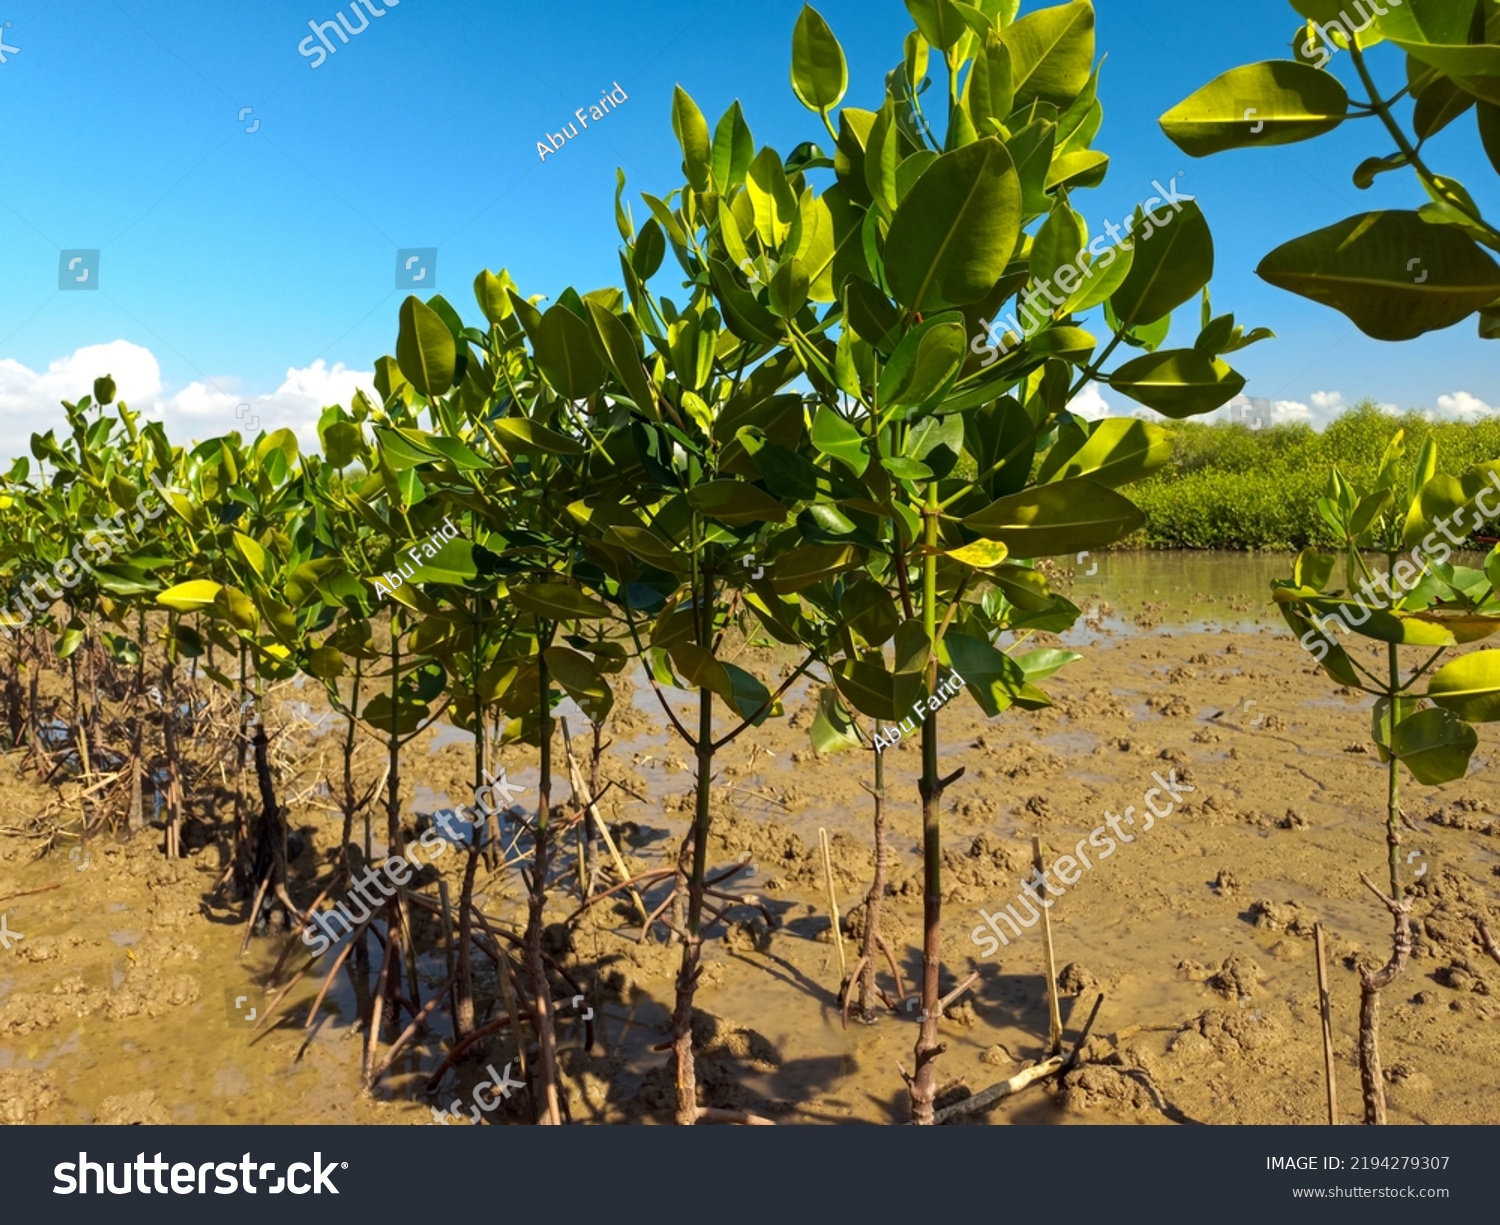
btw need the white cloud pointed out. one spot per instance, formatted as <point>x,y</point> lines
<point>1464,406</point>
<point>1089,404</point>
<point>1328,399</point>
<point>1287,412</point>
<point>30,400</point>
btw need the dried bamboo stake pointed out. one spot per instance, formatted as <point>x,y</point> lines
<point>833,907</point>
<point>1055,1035</point>
<point>580,789</point>
<point>1323,1007</point>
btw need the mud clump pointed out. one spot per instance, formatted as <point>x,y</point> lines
<point>26,1097</point>
<point>133,1109</point>
<point>1100,1087</point>
<point>1289,917</point>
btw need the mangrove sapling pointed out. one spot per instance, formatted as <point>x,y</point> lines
<point>915,395</point>
<point>1437,606</point>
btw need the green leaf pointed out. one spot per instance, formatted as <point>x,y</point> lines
<point>252,552</point>
<point>937,442</point>
<point>1469,687</point>
<point>868,687</point>
<point>993,678</point>
<point>584,683</point>
<point>1102,276</point>
<point>400,718</point>
<point>692,134</point>
<point>833,728</point>
<point>649,547</point>
<point>1065,517</point>
<point>191,596</point>
<point>772,201</point>
<point>1435,745</point>
<point>565,354</point>
<point>624,359</point>
<point>523,434</point>
<point>1118,450</point>
<point>1275,103</point>
<point>989,90</point>
<point>787,293</point>
<point>342,442</point>
<point>557,602</point>
<point>735,503</point>
<point>834,436</point>
<point>1391,273</point>
<point>425,349</point>
<point>1039,665</point>
<point>981,555</point>
<point>953,234</point>
<point>734,149</point>
<point>820,76</point>
<point>1171,266</point>
<point>1178,383</point>
<point>938,21</point>
<point>1313,570</point>
<point>925,364</point>
<point>1052,54</point>
<point>810,564</point>
<point>492,294</point>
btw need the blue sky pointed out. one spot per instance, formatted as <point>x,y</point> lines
<point>258,266</point>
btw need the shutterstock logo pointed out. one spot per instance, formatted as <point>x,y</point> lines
<point>73,1178</point>
<point>341,27</point>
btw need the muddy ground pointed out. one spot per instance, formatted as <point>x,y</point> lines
<point>123,998</point>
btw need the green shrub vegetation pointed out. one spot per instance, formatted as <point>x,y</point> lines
<point>1230,487</point>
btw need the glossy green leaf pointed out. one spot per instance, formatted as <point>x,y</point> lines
<point>557,602</point>
<point>925,364</point>
<point>1064,517</point>
<point>820,76</point>
<point>1052,53</point>
<point>735,503</point>
<point>733,150</point>
<point>1391,273</point>
<point>1118,450</point>
<point>833,728</point>
<point>523,434</point>
<point>1275,103</point>
<point>583,681</point>
<point>191,596</point>
<point>1469,687</point>
<point>1435,745</point>
<point>938,21</point>
<point>1178,383</point>
<point>1169,267</point>
<point>953,234</point>
<point>566,356</point>
<point>425,349</point>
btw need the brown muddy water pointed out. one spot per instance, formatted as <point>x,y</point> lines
<point>123,998</point>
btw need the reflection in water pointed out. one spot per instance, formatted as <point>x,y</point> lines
<point>1154,592</point>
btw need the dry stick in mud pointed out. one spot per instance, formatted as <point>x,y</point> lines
<point>1326,1013</point>
<point>836,931</point>
<point>584,795</point>
<point>1025,1077</point>
<point>1488,941</point>
<point>1371,983</point>
<point>1054,1011</point>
